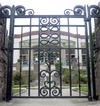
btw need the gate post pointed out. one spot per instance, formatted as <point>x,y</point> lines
<point>10,56</point>
<point>86,19</point>
<point>93,87</point>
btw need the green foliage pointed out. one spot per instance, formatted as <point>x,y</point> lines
<point>23,77</point>
<point>57,65</point>
<point>17,77</point>
<point>74,76</point>
<point>65,75</point>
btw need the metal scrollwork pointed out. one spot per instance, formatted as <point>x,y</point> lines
<point>68,11</point>
<point>55,91</point>
<point>94,10</point>
<point>44,91</point>
<point>44,20</point>
<point>49,36</point>
<point>30,11</point>
<point>54,21</point>
<point>20,10</point>
<point>43,73</point>
<point>56,73</point>
<point>6,10</point>
<point>78,11</point>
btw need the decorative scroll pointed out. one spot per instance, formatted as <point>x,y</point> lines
<point>49,85</point>
<point>49,31</point>
<point>50,21</point>
<point>18,10</point>
<point>5,10</point>
<point>78,11</point>
<point>94,11</point>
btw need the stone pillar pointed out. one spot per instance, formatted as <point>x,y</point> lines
<point>3,62</point>
<point>97,70</point>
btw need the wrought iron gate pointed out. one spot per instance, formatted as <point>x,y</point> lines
<point>50,53</point>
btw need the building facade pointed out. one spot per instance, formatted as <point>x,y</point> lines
<point>76,47</point>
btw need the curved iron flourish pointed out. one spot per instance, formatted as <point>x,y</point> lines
<point>6,10</point>
<point>78,10</point>
<point>20,10</point>
<point>94,10</point>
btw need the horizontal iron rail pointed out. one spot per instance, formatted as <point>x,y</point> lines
<point>45,48</point>
<point>49,25</point>
<point>44,16</point>
<point>50,97</point>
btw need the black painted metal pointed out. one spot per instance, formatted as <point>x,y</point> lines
<point>50,46</point>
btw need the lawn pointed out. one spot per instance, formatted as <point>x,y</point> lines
<point>83,89</point>
<point>75,85</point>
<point>15,91</point>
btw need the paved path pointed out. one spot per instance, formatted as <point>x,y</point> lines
<point>50,102</point>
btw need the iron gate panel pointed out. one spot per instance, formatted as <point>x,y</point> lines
<point>50,52</point>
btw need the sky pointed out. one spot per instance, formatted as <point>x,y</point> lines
<point>47,7</point>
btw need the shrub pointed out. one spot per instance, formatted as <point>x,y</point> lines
<point>23,78</point>
<point>57,65</point>
<point>74,76</point>
<point>17,77</point>
<point>65,75</point>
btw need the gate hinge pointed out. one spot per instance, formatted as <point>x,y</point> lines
<point>87,19</point>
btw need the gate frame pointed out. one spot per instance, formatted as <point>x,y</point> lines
<point>20,12</point>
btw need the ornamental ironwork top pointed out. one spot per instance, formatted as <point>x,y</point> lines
<point>79,10</point>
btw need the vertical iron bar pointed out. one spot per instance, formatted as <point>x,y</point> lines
<point>29,60</point>
<point>78,62</point>
<point>92,62</point>
<point>49,60</point>
<point>87,58</point>
<point>10,56</point>
<point>60,61</point>
<point>39,35</point>
<point>49,66</point>
<point>21,61</point>
<point>69,58</point>
<point>5,33</point>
